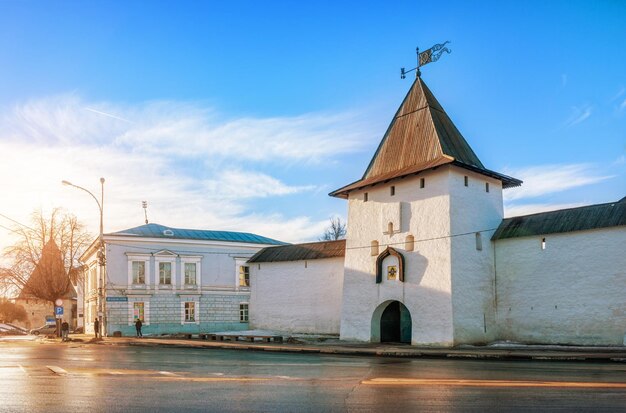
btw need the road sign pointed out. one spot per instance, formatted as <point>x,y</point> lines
<point>58,310</point>
<point>117,299</point>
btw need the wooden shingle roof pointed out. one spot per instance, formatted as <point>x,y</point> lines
<point>565,220</point>
<point>421,136</point>
<point>299,252</point>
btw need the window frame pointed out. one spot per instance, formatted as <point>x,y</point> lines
<point>131,310</point>
<point>138,257</point>
<point>184,312</point>
<point>246,272</point>
<point>244,313</point>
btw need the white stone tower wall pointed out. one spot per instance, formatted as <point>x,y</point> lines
<point>473,210</point>
<point>423,213</point>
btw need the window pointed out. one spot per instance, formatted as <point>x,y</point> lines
<point>392,272</point>
<point>393,190</point>
<point>139,272</point>
<point>244,276</point>
<point>422,182</point>
<point>92,279</point>
<point>486,186</point>
<point>409,243</point>
<point>138,312</point>
<point>243,312</point>
<point>190,312</point>
<point>374,248</point>
<point>190,273</point>
<point>390,227</point>
<point>165,273</point>
<point>466,180</point>
<point>365,197</point>
<point>479,242</point>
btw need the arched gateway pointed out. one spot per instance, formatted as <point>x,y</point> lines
<point>391,323</point>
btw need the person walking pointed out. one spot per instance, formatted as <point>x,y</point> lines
<point>65,331</point>
<point>96,327</point>
<point>138,325</point>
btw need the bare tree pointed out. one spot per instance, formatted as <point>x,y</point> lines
<point>335,230</point>
<point>45,256</point>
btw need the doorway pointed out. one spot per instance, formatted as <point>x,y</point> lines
<point>394,323</point>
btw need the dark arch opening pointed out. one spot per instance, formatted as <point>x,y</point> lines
<point>395,324</point>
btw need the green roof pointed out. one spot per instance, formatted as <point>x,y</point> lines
<point>161,231</point>
<point>566,220</point>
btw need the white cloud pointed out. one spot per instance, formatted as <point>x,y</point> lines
<point>622,106</point>
<point>195,168</point>
<point>527,209</point>
<point>579,114</point>
<point>549,179</point>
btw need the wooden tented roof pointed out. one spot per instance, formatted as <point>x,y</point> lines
<point>298,252</point>
<point>565,220</point>
<point>421,136</point>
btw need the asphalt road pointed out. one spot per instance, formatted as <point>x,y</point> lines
<point>71,377</point>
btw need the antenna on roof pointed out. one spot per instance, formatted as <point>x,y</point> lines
<point>427,56</point>
<point>144,205</point>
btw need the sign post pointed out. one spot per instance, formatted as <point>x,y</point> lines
<point>58,313</point>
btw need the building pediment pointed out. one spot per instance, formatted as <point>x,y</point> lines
<point>165,253</point>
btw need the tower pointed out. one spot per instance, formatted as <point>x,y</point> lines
<point>418,266</point>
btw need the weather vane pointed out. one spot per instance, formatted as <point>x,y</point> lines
<point>431,55</point>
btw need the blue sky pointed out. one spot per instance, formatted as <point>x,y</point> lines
<point>244,116</point>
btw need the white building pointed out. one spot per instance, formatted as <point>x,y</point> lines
<point>175,280</point>
<point>429,260</point>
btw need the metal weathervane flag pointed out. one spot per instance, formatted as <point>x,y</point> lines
<point>433,54</point>
<point>427,56</point>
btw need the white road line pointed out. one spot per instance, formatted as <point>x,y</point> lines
<point>489,383</point>
<point>57,370</point>
<point>168,373</point>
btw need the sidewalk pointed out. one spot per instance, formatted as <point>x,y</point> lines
<point>508,351</point>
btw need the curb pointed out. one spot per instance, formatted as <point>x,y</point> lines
<point>609,356</point>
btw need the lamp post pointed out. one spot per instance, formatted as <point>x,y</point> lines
<point>100,303</point>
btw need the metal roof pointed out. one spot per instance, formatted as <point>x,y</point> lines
<point>299,252</point>
<point>421,136</point>
<point>565,220</point>
<point>161,231</point>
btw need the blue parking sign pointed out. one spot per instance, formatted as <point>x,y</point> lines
<point>58,310</point>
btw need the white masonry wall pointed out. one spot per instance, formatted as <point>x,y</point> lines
<point>425,214</point>
<point>473,211</point>
<point>573,292</point>
<point>297,296</point>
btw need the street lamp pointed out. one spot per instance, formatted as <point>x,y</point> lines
<point>101,255</point>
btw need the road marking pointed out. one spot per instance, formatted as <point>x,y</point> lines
<point>57,370</point>
<point>489,383</point>
<point>168,373</point>
<point>212,379</point>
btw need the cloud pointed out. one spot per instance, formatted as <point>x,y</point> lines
<point>527,209</point>
<point>622,106</point>
<point>195,167</point>
<point>579,114</point>
<point>550,179</point>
